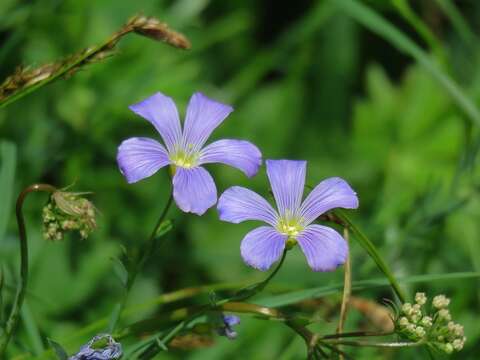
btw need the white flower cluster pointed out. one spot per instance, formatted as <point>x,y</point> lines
<point>68,212</point>
<point>436,329</point>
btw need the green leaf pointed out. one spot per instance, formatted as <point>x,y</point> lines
<point>164,228</point>
<point>59,350</point>
<point>377,24</point>
<point>8,157</point>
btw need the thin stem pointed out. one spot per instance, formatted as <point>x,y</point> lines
<point>242,294</point>
<point>371,249</point>
<point>151,246</point>
<point>22,285</point>
<point>347,287</point>
<point>376,344</point>
<point>357,334</point>
<point>347,290</point>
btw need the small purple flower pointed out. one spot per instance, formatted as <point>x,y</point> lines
<point>109,349</point>
<point>193,187</point>
<point>323,247</point>
<point>229,321</point>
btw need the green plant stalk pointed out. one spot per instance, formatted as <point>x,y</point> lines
<point>149,27</point>
<point>22,285</point>
<point>373,253</point>
<point>151,245</point>
<point>406,11</point>
<point>376,344</point>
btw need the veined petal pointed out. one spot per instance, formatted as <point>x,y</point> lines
<point>239,204</point>
<point>194,190</point>
<point>203,116</point>
<point>139,158</point>
<point>161,111</point>
<point>287,179</point>
<point>329,194</point>
<point>262,246</point>
<point>323,247</point>
<point>240,154</point>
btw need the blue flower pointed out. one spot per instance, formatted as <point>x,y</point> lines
<point>229,321</point>
<point>193,187</point>
<point>324,248</point>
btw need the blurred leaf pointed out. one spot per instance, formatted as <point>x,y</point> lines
<point>8,157</point>
<point>59,350</point>
<point>380,26</point>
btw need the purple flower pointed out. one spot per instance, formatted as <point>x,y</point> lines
<point>193,187</point>
<point>101,347</point>
<point>323,247</point>
<point>226,329</point>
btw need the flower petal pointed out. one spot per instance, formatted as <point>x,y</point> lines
<point>239,204</point>
<point>262,246</point>
<point>240,154</point>
<point>203,116</point>
<point>287,179</point>
<point>329,194</point>
<point>323,247</point>
<point>161,111</point>
<point>139,158</point>
<point>194,190</point>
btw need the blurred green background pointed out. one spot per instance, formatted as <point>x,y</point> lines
<point>308,80</point>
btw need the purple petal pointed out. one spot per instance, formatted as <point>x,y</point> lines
<point>239,204</point>
<point>231,320</point>
<point>203,116</point>
<point>287,179</point>
<point>262,246</point>
<point>323,247</point>
<point>139,158</point>
<point>240,154</point>
<point>161,111</point>
<point>194,190</point>
<point>329,194</point>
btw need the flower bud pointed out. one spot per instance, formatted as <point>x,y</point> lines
<point>440,301</point>
<point>67,211</point>
<point>444,314</point>
<point>420,298</point>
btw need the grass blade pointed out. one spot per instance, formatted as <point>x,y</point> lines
<point>8,157</point>
<point>315,293</point>
<point>377,24</point>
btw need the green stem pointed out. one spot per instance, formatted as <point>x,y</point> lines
<point>374,344</point>
<point>371,249</point>
<point>242,294</point>
<point>22,285</point>
<point>149,249</point>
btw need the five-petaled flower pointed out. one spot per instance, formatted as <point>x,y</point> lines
<point>323,247</point>
<point>193,187</point>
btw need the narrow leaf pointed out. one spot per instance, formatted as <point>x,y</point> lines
<point>59,350</point>
<point>8,158</point>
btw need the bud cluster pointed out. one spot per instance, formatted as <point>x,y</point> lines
<point>68,211</point>
<point>436,328</point>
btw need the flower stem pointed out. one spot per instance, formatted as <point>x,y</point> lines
<point>132,275</point>
<point>240,295</point>
<point>376,344</point>
<point>371,249</point>
<point>22,285</point>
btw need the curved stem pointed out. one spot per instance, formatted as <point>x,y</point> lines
<point>149,248</point>
<point>22,285</point>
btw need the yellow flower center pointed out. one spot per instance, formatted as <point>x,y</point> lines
<point>290,227</point>
<point>184,159</point>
